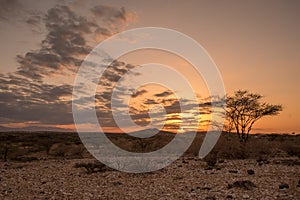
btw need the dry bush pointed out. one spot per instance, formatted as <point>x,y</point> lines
<point>69,151</point>
<point>245,184</point>
<point>211,159</point>
<point>4,151</point>
<point>291,149</point>
<point>257,146</point>
<point>93,167</point>
<point>261,147</point>
<point>231,148</point>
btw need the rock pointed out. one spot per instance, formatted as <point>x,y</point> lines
<point>93,167</point>
<point>208,168</point>
<point>262,161</point>
<point>185,162</point>
<point>284,186</point>
<point>116,183</point>
<point>206,188</point>
<point>210,198</point>
<point>221,161</point>
<point>233,171</point>
<point>277,162</point>
<point>242,184</point>
<point>246,196</point>
<point>229,196</point>
<point>250,171</point>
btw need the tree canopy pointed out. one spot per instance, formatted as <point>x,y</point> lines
<point>244,108</point>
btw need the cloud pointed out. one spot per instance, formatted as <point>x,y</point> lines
<point>109,13</point>
<point>52,113</point>
<point>9,8</point>
<point>24,100</point>
<point>24,94</point>
<point>66,42</point>
<point>150,102</point>
<point>139,93</point>
<point>164,94</point>
<point>111,20</point>
<point>113,17</point>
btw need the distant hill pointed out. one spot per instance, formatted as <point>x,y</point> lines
<point>55,129</point>
<point>151,131</point>
<point>33,129</point>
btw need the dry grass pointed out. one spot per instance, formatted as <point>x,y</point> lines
<point>31,146</point>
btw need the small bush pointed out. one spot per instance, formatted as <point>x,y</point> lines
<point>93,167</point>
<point>242,184</point>
<point>292,150</point>
<point>211,159</point>
<point>25,159</point>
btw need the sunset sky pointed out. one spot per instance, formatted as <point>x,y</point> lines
<point>255,44</point>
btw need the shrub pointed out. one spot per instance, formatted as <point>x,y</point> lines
<point>211,159</point>
<point>93,167</point>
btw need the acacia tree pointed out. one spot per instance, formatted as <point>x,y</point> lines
<point>243,109</point>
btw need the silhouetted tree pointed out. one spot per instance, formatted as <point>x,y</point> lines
<point>6,148</point>
<point>243,109</point>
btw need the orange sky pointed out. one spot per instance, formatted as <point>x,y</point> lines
<point>255,44</point>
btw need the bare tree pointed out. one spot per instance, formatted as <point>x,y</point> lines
<point>243,109</point>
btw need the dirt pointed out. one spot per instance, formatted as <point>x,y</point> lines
<point>187,178</point>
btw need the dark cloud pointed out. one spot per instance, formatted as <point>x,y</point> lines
<point>53,113</point>
<point>109,14</point>
<point>24,100</point>
<point>138,93</point>
<point>8,8</point>
<point>172,126</point>
<point>66,41</point>
<point>24,95</point>
<point>150,102</point>
<point>34,20</point>
<point>103,31</point>
<point>164,94</point>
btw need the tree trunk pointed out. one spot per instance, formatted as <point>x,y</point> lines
<point>5,153</point>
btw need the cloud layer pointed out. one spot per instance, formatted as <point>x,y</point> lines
<point>25,95</point>
<point>38,92</point>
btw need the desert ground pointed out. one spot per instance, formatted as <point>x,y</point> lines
<point>57,166</point>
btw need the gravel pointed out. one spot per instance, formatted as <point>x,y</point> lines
<point>60,179</point>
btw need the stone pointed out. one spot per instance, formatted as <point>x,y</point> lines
<point>208,168</point>
<point>242,184</point>
<point>116,183</point>
<point>284,186</point>
<point>210,198</point>
<point>185,162</point>
<point>250,171</point>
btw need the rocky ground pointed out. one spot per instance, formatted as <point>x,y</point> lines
<point>187,178</point>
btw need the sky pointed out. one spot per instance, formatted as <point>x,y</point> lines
<point>255,44</point>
